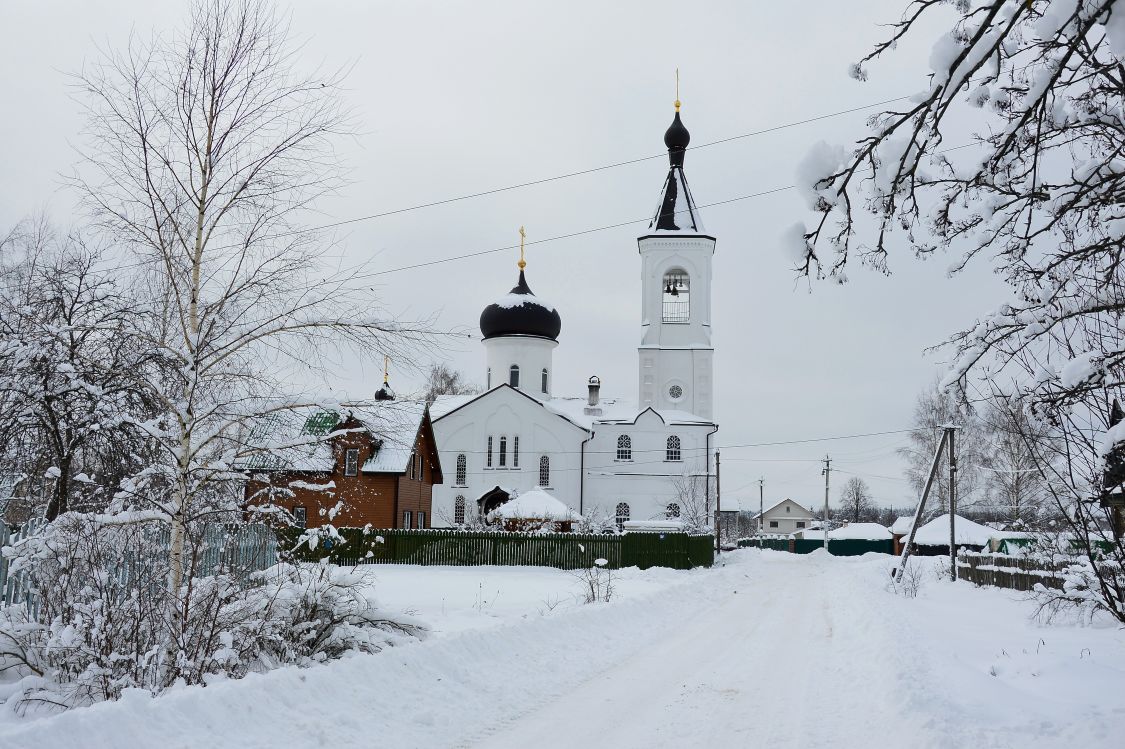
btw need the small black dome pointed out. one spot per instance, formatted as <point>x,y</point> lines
<point>512,315</point>
<point>677,136</point>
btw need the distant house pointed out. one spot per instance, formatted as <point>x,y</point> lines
<point>369,464</point>
<point>784,517</point>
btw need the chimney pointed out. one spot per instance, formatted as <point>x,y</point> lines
<point>591,408</point>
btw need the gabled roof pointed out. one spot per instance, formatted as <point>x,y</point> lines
<point>300,439</point>
<point>775,505</point>
<point>574,410</point>
<point>445,405</point>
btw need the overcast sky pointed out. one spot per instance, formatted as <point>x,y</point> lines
<point>455,98</point>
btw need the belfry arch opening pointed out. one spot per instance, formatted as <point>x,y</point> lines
<point>676,295</point>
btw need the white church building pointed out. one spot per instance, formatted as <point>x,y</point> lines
<point>605,459</point>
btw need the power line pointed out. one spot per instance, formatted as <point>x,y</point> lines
<point>553,178</point>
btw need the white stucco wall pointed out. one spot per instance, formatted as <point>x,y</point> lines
<point>504,412</point>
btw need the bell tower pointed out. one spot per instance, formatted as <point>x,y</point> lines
<point>675,355</point>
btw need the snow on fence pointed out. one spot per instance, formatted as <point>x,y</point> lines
<point>464,548</point>
<point>1014,572</point>
<point>243,546</point>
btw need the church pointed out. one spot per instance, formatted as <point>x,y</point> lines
<point>610,461</point>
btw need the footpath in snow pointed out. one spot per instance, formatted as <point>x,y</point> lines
<point>770,650</point>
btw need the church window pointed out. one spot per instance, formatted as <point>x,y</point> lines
<point>488,463</point>
<point>459,511</point>
<point>676,297</point>
<point>675,392</point>
<point>488,379</point>
<point>503,452</point>
<point>544,471</point>
<point>544,388</point>
<point>462,469</point>
<point>672,448</point>
<point>622,515</point>
<point>351,462</point>
<point>672,512</point>
<point>516,451</point>
<point>411,466</point>
<point>514,376</point>
<point>624,447</point>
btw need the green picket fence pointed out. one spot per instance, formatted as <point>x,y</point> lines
<point>566,551</point>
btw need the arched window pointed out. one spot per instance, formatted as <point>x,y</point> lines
<point>624,447</point>
<point>459,510</point>
<point>676,296</point>
<point>544,471</point>
<point>462,469</point>
<point>516,451</point>
<point>672,511</point>
<point>672,448</point>
<point>514,375</point>
<point>503,452</point>
<point>488,464</point>
<point>544,388</point>
<point>622,515</point>
<point>488,380</point>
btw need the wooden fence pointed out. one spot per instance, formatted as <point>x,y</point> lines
<point>460,548</point>
<point>1013,572</point>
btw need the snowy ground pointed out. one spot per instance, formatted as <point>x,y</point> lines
<point>771,650</point>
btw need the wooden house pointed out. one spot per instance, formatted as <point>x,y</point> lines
<point>368,464</point>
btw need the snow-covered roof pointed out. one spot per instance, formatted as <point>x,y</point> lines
<point>653,525</point>
<point>901,525</point>
<point>936,532</point>
<point>299,439</point>
<point>860,531</point>
<point>676,213</point>
<point>535,504</point>
<point>574,410</point>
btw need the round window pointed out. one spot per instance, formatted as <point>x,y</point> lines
<point>675,392</point>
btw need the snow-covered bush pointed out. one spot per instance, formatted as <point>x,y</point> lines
<point>96,623</point>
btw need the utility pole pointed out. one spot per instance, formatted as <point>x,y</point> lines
<point>908,547</point>
<point>952,432</point>
<point>761,505</point>
<point>718,506</point>
<point>826,470</point>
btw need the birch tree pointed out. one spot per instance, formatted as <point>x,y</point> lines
<point>1035,193</point>
<point>205,151</point>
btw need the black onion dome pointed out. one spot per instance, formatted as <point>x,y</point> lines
<point>677,137</point>
<point>520,317</point>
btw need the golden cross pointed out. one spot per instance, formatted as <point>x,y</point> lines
<point>677,89</point>
<point>523,235</point>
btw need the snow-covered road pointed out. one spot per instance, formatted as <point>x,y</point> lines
<point>770,650</point>
<point>789,656</point>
